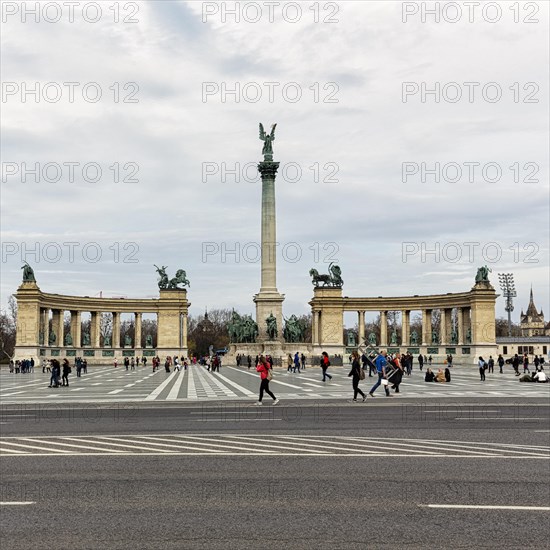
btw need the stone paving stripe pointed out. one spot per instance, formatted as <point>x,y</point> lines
<point>156,392</point>
<point>174,391</point>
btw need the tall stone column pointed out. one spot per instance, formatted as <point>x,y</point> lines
<point>137,330</point>
<point>361,323</point>
<point>405,327</point>
<point>45,326</point>
<point>446,327</point>
<point>57,326</point>
<point>383,328</point>
<point>268,300</point>
<point>460,326</point>
<point>116,329</point>
<point>76,328</point>
<point>466,324</point>
<point>426,327</point>
<point>95,331</point>
<point>184,331</point>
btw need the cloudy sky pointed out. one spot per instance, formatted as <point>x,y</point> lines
<point>183,87</point>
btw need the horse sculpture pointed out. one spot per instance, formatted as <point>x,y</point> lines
<point>332,279</point>
<point>179,279</point>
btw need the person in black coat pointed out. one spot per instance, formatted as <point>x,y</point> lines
<point>355,372</point>
<point>66,371</point>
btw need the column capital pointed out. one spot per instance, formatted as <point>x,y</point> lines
<point>268,169</point>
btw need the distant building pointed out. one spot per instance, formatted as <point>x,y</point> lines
<point>532,322</point>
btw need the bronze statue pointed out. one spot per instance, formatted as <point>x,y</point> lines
<point>351,340</point>
<point>163,281</point>
<point>85,339</point>
<point>268,140</point>
<point>52,338</point>
<point>68,339</point>
<point>414,338</point>
<point>333,279</point>
<point>393,339</point>
<point>482,275</point>
<point>28,274</point>
<point>435,337</point>
<point>271,327</point>
<point>469,336</point>
<point>372,339</point>
<point>148,341</point>
<point>107,340</point>
<point>454,337</point>
<point>294,330</point>
<point>127,341</point>
<point>179,279</point>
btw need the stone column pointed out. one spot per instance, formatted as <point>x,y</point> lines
<point>46,326</point>
<point>383,328</point>
<point>116,330</point>
<point>95,331</point>
<point>460,326</point>
<point>466,324</point>
<point>315,328</point>
<point>361,323</point>
<point>137,330</point>
<point>446,326</point>
<point>57,326</point>
<point>76,328</point>
<point>268,300</point>
<point>405,327</point>
<point>426,327</point>
<point>184,339</point>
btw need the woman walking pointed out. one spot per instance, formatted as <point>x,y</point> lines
<point>482,366</point>
<point>66,371</point>
<point>265,376</point>
<point>355,372</point>
<point>325,364</point>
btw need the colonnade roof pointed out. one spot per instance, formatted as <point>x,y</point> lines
<point>175,300</point>
<point>405,303</point>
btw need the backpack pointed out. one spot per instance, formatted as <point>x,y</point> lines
<point>484,365</point>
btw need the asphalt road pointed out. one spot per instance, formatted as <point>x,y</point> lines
<point>247,500</point>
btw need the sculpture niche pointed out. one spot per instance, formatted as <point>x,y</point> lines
<point>271,323</point>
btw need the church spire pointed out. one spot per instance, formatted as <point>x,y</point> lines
<point>531,309</point>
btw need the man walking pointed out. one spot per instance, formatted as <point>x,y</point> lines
<point>381,365</point>
<point>420,362</point>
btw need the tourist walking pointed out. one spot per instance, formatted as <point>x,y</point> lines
<point>515,364</point>
<point>249,361</point>
<point>482,367</point>
<point>525,363</point>
<point>381,368</point>
<point>297,362</point>
<point>500,362</point>
<point>357,373</point>
<point>420,362</point>
<point>66,372</point>
<point>325,364</point>
<point>491,364</point>
<point>289,363</point>
<point>303,361</point>
<point>56,370</point>
<point>265,370</point>
<point>398,374</point>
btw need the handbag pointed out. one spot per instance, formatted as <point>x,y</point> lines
<point>385,381</point>
<point>361,373</point>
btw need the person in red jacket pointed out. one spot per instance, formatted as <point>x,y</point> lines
<point>264,369</point>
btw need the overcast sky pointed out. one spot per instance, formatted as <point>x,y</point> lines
<point>163,118</point>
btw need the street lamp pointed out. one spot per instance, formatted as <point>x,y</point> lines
<point>506,281</point>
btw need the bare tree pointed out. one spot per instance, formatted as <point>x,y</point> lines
<point>8,328</point>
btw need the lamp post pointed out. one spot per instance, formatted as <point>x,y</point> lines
<point>506,281</point>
